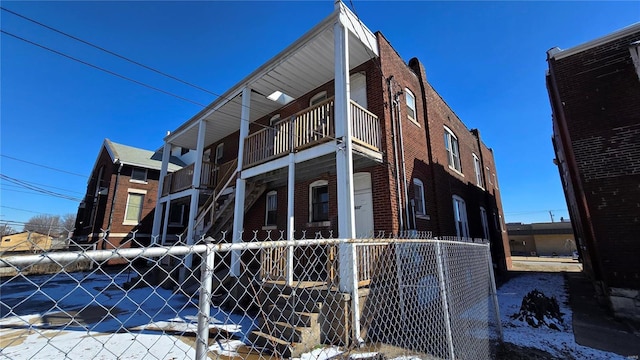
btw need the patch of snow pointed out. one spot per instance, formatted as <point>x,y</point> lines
<point>555,342</point>
<point>226,347</point>
<point>363,355</point>
<point>321,354</point>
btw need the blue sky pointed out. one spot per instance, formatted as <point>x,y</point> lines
<point>487,59</point>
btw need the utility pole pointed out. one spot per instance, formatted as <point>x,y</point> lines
<point>551,214</point>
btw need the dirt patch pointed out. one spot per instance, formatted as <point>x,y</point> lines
<point>539,310</point>
<point>508,351</point>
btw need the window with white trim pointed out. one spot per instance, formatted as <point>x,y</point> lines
<point>133,209</point>
<point>460,217</point>
<point>270,217</point>
<point>411,104</point>
<point>453,149</point>
<point>485,223</point>
<point>478,167</point>
<point>219,153</point>
<point>418,198</point>
<point>139,175</point>
<point>318,98</point>
<point>319,201</point>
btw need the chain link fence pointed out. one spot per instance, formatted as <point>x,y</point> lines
<point>391,297</point>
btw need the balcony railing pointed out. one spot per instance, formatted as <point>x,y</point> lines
<point>307,128</point>
<point>211,176</point>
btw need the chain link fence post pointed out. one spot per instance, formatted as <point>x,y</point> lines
<point>494,293</point>
<point>443,296</point>
<point>204,304</point>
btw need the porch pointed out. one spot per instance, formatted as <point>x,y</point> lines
<point>308,128</point>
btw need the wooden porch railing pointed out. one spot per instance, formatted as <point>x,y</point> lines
<point>307,128</point>
<point>274,263</point>
<point>211,176</point>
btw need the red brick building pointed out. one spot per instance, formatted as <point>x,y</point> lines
<point>121,197</point>
<point>594,89</point>
<point>335,135</point>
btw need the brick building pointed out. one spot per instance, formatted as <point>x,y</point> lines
<point>121,197</point>
<point>594,90</point>
<point>335,135</point>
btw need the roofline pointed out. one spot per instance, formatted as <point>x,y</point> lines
<point>556,53</point>
<point>236,90</point>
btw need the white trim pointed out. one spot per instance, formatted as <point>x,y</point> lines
<point>485,223</point>
<point>460,210</point>
<point>477,167</point>
<point>136,191</point>
<point>130,192</point>
<point>450,153</point>
<point>596,42</point>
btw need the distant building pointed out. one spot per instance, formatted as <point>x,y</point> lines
<point>594,89</point>
<point>27,241</point>
<point>121,197</point>
<point>541,239</point>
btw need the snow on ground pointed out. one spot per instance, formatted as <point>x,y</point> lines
<point>558,343</point>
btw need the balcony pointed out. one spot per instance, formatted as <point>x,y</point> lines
<point>307,128</point>
<point>212,176</point>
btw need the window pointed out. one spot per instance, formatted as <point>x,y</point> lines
<point>133,211</point>
<point>411,104</point>
<point>489,172</point>
<point>485,223</point>
<point>176,214</point>
<point>418,198</point>
<point>453,150</point>
<point>478,168</point>
<point>460,217</point>
<point>319,201</point>
<point>495,180</point>
<point>139,175</point>
<point>219,153</point>
<point>318,98</point>
<point>183,151</point>
<point>272,209</point>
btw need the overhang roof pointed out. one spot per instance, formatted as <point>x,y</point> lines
<point>556,53</point>
<point>300,68</point>
<point>132,156</point>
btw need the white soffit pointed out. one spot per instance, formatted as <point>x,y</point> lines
<point>303,66</point>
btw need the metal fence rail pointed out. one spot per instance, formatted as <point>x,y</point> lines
<point>411,297</point>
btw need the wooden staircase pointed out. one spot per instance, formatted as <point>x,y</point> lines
<point>289,316</point>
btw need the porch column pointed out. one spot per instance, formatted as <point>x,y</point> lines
<point>157,215</point>
<point>291,185</point>
<point>344,170</point>
<point>167,209</point>
<point>195,184</point>
<point>238,210</point>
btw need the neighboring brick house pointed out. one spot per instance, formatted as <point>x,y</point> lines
<point>594,90</point>
<point>375,149</point>
<point>121,197</point>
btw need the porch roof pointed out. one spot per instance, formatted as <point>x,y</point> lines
<point>301,67</point>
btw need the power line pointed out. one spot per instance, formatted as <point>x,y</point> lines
<point>43,166</point>
<point>25,210</point>
<point>109,52</point>
<point>37,189</point>
<point>52,187</point>
<point>101,68</point>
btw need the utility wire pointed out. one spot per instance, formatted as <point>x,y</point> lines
<point>43,166</point>
<point>36,188</point>
<point>52,187</point>
<point>110,52</point>
<point>101,68</point>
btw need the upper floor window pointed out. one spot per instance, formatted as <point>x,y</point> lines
<point>133,209</point>
<point>271,209</point>
<point>453,150</point>
<point>318,98</point>
<point>411,104</point>
<point>138,174</point>
<point>478,167</point>
<point>319,201</point>
<point>418,198</point>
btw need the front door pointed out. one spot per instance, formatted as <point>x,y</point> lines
<point>363,203</point>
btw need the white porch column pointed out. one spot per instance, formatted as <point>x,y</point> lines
<point>167,209</point>
<point>195,193</point>
<point>291,185</point>
<point>157,215</point>
<point>344,170</point>
<point>238,211</point>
